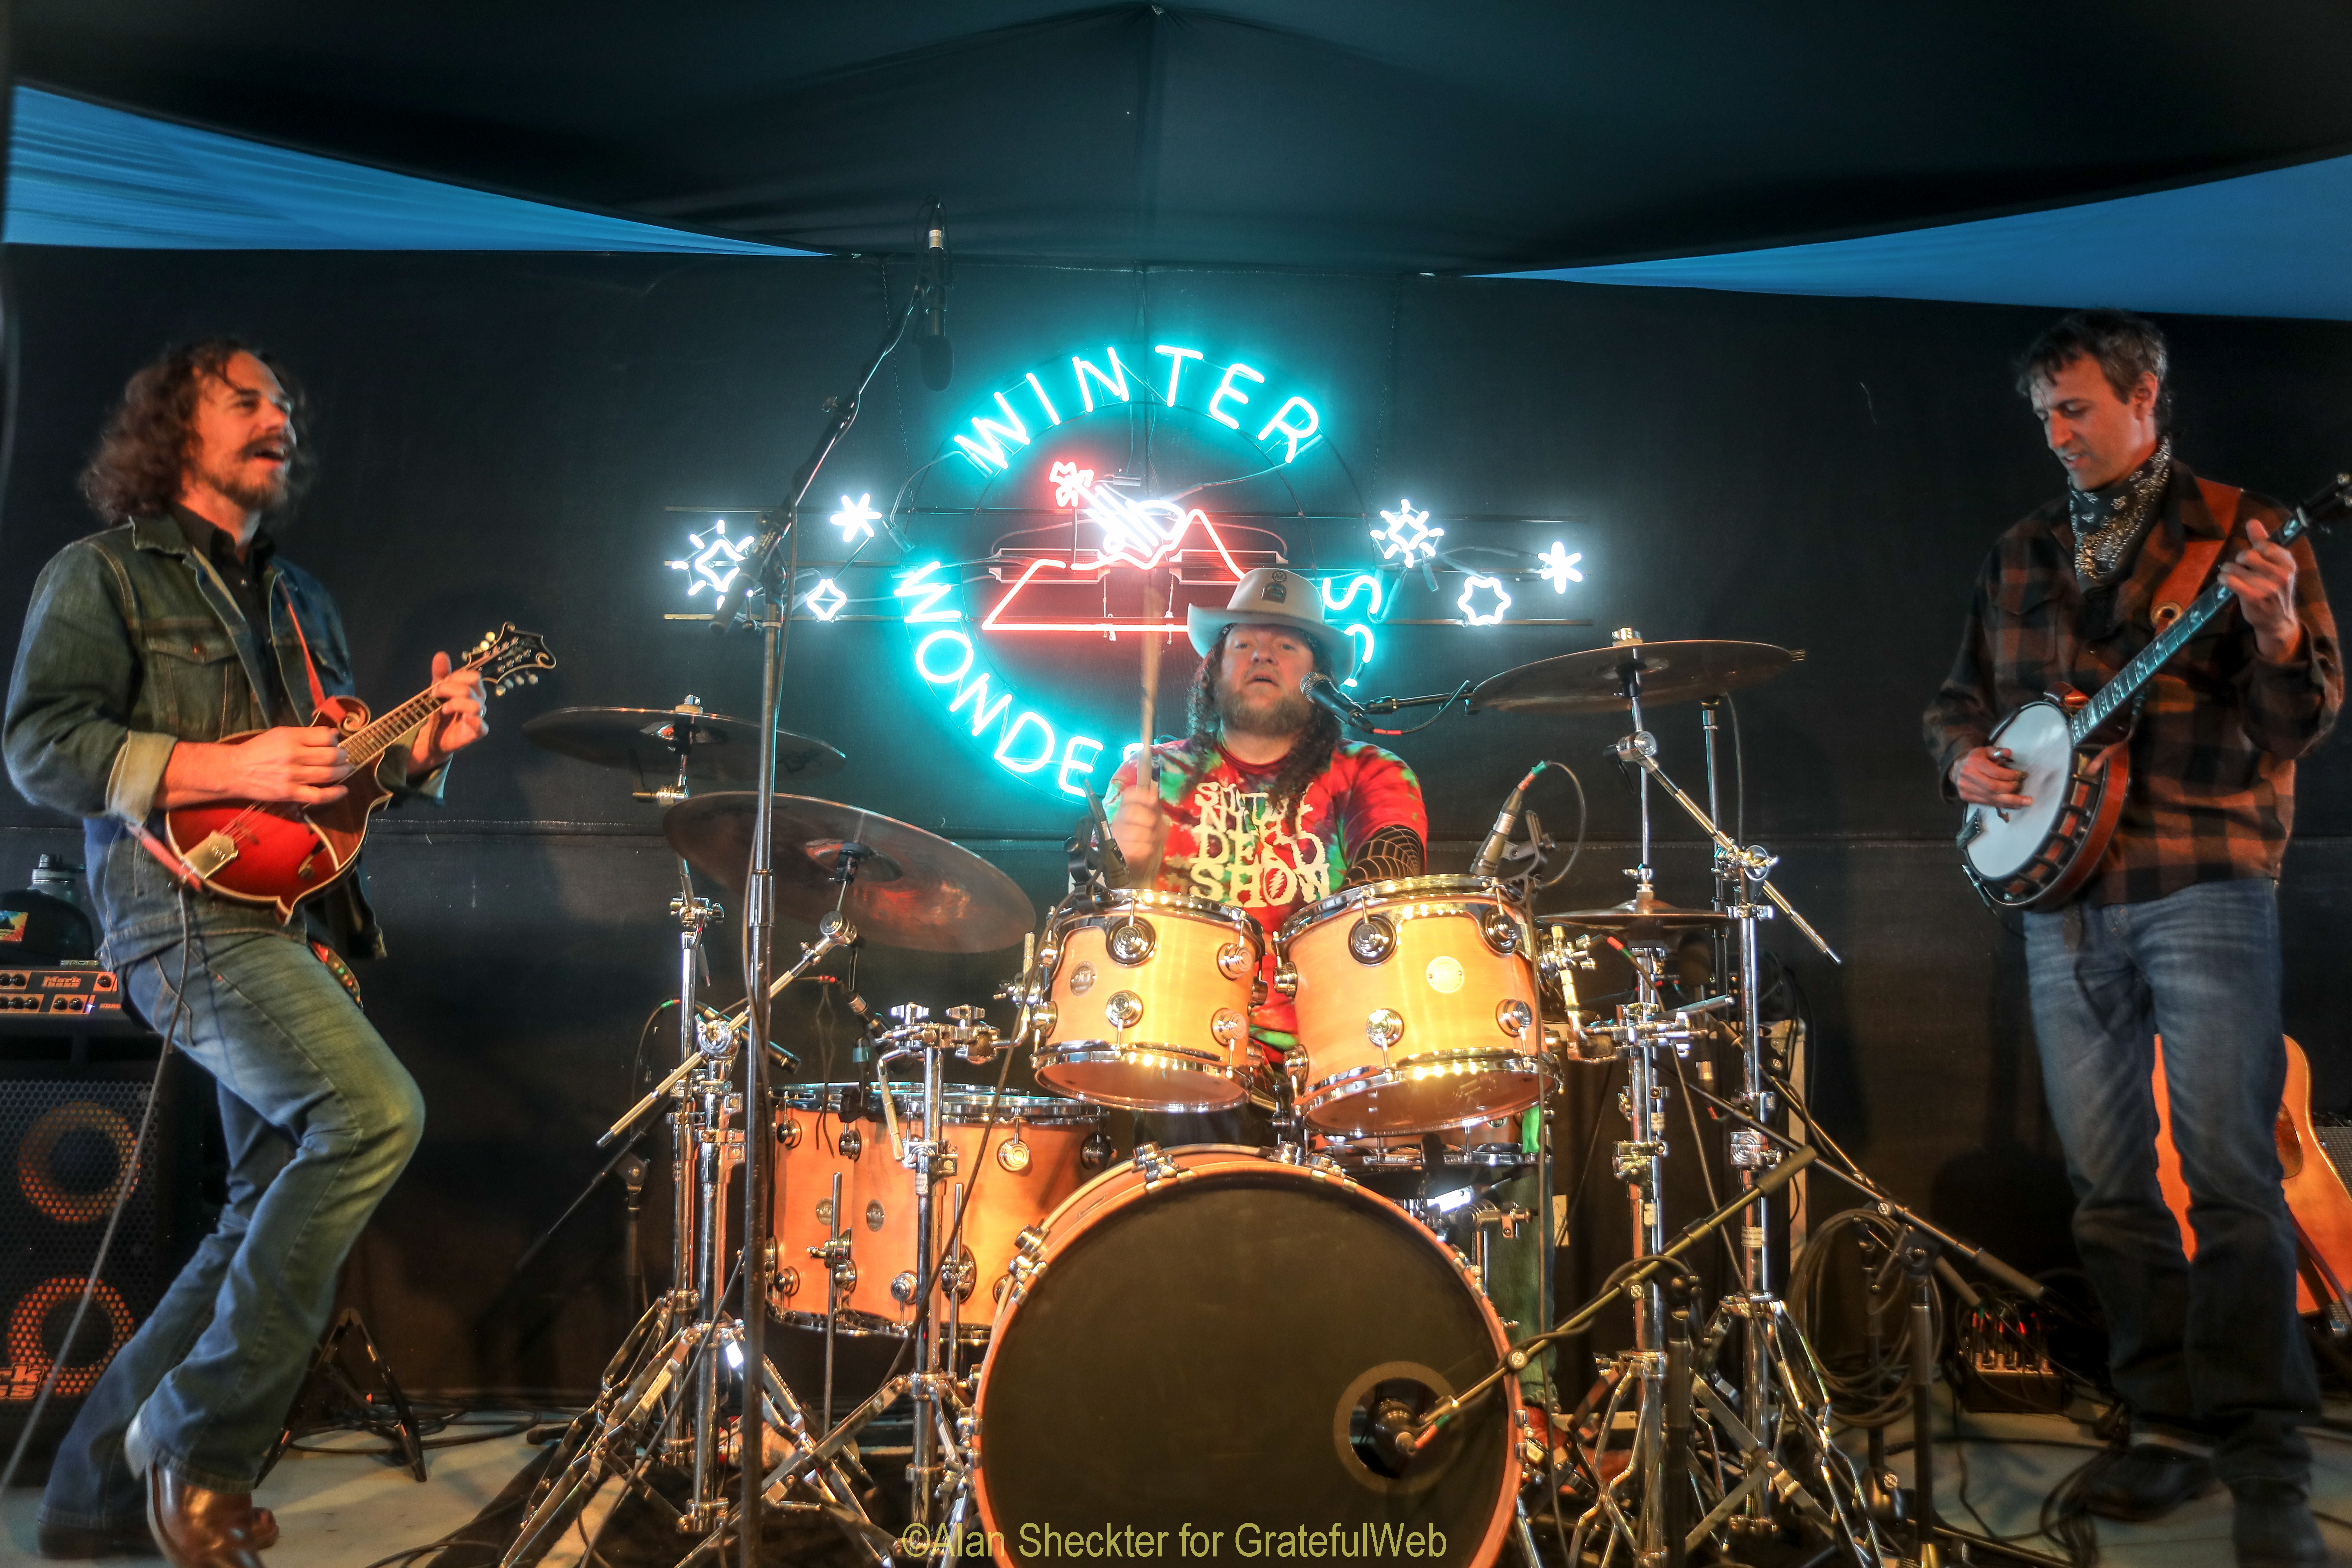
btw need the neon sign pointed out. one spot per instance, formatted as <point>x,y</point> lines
<point>1231,400</point>
<point>1559,565</point>
<point>713,563</point>
<point>824,601</point>
<point>1408,534</point>
<point>1026,744</point>
<point>856,518</point>
<point>1471,615</point>
<point>1360,630</point>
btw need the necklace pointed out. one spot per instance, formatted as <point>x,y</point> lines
<point>2106,527</point>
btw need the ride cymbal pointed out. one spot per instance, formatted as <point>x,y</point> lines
<point>912,889</point>
<point>718,750</point>
<point>1640,919</point>
<point>1593,681</point>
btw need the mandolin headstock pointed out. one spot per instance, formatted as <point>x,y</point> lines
<point>508,659</point>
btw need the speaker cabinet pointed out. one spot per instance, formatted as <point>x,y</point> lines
<point>67,1132</point>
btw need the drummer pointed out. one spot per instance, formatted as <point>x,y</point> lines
<point>1265,806</point>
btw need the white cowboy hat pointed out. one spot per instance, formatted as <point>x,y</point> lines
<point>1272,596</point>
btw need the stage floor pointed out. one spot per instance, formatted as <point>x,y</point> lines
<point>338,1512</point>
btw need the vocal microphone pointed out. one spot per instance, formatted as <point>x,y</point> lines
<point>1506,822</point>
<point>1324,692</point>
<point>931,345</point>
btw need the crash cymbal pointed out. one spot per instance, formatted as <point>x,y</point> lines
<point>1643,918</point>
<point>718,750</point>
<point>913,889</point>
<point>1593,681</point>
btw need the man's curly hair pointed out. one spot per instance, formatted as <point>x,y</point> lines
<point>1309,756</point>
<point>138,468</point>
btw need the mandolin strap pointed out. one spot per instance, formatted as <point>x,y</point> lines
<point>319,693</point>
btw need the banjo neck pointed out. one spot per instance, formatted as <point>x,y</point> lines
<point>2111,699</point>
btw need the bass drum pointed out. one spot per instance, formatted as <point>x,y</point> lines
<point>1193,1354</point>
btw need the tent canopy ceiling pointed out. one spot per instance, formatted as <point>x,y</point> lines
<point>1478,136</point>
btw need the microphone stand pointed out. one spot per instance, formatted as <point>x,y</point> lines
<point>779,527</point>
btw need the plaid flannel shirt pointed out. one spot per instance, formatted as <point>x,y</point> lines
<point>2213,755</point>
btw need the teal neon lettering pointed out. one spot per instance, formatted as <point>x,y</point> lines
<point>987,453</point>
<point>918,582</point>
<point>1085,368</point>
<point>1227,390</point>
<point>1004,757</point>
<point>983,711</point>
<point>1295,433</point>
<point>1176,358</point>
<point>1083,766</point>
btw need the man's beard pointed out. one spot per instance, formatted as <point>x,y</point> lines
<point>266,496</point>
<point>1287,713</point>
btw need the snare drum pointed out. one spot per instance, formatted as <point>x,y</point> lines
<point>1418,1006</point>
<point>1148,1003</point>
<point>1199,1342</point>
<point>1039,1151</point>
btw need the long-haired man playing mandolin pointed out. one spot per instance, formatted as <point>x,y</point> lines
<point>146,644</point>
<point>2175,932</point>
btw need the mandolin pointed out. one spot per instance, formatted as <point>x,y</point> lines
<point>279,853</point>
<point>2317,1199</point>
<point>2074,751</point>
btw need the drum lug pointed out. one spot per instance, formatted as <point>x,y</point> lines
<point>1228,1029</point>
<point>1030,1243</point>
<point>1371,939</point>
<point>1124,1010</point>
<point>1514,1018</point>
<point>1233,960</point>
<point>1285,979</point>
<point>1501,932</point>
<point>787,1132</point>
<point>1384,1026</point>
<point>850,1143</point>
<point>1096,1151</point>
<point>1132,941</point>
<point>1156,1167</point>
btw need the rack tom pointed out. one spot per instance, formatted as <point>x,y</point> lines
<point>1419,1007</point>
<point>1147,1003</point>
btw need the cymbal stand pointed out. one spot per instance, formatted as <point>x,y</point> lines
<point>660,1399</point>
<point>1777,1365</point>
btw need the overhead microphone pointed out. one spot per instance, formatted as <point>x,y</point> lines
<point>1324,692</point>
<point>1506,822</point>
<point>931,345</point>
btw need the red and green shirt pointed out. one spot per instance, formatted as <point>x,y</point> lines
<point>1227,844</point>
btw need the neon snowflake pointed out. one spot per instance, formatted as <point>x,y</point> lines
<point>714,560</point>
<point>824,601</point>
<point>856,518</point>
<point>1408,534</point>
<point>1559,565</point>
<point>1470,615</point>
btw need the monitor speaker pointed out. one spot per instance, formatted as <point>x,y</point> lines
<point>67,1136</point>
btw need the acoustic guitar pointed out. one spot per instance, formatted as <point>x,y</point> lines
<point>2074,751</point>
<point>2317,1199</point>
<point>278,853</point>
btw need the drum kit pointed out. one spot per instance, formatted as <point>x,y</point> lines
<point>1209,1350</point>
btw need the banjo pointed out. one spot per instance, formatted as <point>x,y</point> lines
<point>2074,750</point>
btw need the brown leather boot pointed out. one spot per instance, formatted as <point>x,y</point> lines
<point>196,1527</point>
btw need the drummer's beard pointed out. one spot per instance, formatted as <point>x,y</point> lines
<point>1283,713</point>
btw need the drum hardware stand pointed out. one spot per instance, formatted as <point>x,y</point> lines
<point>668,1366</point>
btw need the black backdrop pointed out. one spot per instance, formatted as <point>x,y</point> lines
<point>501,436</point>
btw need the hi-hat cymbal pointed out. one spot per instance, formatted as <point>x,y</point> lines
<point>1593,681</point>
<point>718,750</point>
<point>1641,919</point>
<point>912,889</point>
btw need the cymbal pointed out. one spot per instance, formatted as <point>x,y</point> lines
<point>1642,916</point>
<point>912,889</point>
<point>719,748</point>
<point>1593,681</point>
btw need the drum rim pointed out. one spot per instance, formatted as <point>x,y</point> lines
<point>857,1325</point>
<point>1342,1086</point>
<point>1321,1172</point>
<point>1176,1058</point>
<point>1119,902</point>
<point>1067,1110</point>
<point>1446,894</point>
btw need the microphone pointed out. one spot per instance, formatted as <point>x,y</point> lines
<point>1324,692</point>
<point>1490,854</point>
<point>931,345</point>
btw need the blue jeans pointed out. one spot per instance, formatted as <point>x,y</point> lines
<point>2212,1347</point>
<point>320,1119</point>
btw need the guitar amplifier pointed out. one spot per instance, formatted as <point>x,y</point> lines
<point>72,998</point>
<point>2335,1138</point>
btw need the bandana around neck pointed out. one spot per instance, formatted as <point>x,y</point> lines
<point>2109,521</point>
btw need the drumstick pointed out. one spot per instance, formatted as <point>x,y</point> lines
<point>1147,766</point>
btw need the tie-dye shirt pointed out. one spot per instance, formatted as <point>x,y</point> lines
<point>1226,845</point>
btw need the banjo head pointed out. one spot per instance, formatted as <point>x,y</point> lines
<point>2036,739</point>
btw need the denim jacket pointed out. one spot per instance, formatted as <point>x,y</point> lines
<point>132,645</point>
